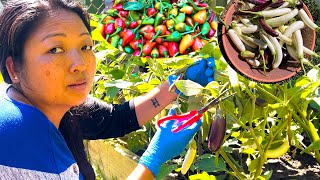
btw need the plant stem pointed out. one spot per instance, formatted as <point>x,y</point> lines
<point>233,167</point>
<point>269,94</point>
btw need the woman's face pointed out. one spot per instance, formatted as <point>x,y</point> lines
<point>59,65</point>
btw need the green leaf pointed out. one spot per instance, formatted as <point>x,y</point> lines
<point>112,92</point>
<point>202,176</point>
<point>267,175</point>
<point>165,170</point>
<point>188,88</point>
<point>218,9</point>
<point>212,49</point>
<point>315,146</point>
<point>253,164</point>
<point>119,84</point>
<point>128,6</point>
<point>208,163</point>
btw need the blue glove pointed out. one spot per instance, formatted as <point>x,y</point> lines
<point>166,144</point>
<point>201,72</point>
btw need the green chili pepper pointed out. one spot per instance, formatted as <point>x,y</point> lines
<point>181,17</point>
<point>181,27</point>
<point>128,49</point>
<point>205,28</point>
<point>196,7</point>
<point>134,15</point>
<point>175,36</point>
<point>115,40</point>
<point>148,21</point>
<point>159,19</point>
<point>189,28</point>
<point>127,22</point>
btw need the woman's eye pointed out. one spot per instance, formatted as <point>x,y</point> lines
<point>87,48</point>
<point>56,50</point>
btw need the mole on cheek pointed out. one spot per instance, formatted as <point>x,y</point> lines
<point>48,73</point>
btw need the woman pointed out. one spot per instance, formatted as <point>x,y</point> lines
<point>46,55</point>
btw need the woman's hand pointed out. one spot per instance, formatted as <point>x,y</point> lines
<point>166,144</point>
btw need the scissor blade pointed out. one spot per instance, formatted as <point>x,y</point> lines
<point>214,102</point>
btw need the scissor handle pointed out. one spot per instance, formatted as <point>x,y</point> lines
<point>192,120</point>
<point>176,117</point>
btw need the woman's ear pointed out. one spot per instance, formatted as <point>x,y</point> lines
<point>11,70</point>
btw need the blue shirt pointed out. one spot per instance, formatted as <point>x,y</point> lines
<point>31,146</point>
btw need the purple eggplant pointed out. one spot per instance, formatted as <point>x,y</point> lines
<point>255,1</point>
<point>277,4</point>
<point>267,28</point>
<point>217,132</point>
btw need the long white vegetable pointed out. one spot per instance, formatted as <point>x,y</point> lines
<point>277,61</point>
<point>274,12</point>
<point>249,29</point>
<point>277,21</point>
<point>236,40</point>
<point>306,19</point>
<point>269,44</point>
<point>298,42</point>
<point>292,28</point>
<point>311,53</point>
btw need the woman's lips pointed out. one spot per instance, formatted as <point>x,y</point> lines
<point>78,85</point>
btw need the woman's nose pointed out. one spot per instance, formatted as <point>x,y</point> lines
<point>77,61</point>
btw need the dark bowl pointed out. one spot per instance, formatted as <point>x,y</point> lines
<point>283,72</point>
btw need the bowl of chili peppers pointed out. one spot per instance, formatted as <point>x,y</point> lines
<point>158,29</point>
<point>268,41</point>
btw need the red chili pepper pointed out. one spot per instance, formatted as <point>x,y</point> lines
<point>109,29</point>
<point>211,33</point>
<point>136,53</point>
<point>197,44</point>
<point>146,49</point>
<point>123,13</point>
<point>134,44</point>
<point>151,12</point>
<point>119,23</point>
<point>147,29</point>
<point>159,40</point>
<point>133,24</point>
<point>174,48</point>
<point>163,51</point>
<point>211,17</point>
<point>165,44</point>
<point>149,35</point>
<point>128,37</point>
<point>123,32</point>
<point>118,7</point>
<point>201,4</point>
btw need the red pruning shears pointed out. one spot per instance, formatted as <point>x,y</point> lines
<point>193,116</point>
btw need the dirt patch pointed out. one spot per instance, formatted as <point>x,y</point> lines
<point>294,166</point>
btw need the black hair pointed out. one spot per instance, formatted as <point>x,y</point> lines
<point>19,18</point>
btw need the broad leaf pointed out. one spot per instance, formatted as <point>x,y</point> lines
<point>165,170</point>
<point>208,163</point>
<point>119,84</point>
<point>188,88</point>
<point>315,146</point>
<point>128,6</point>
